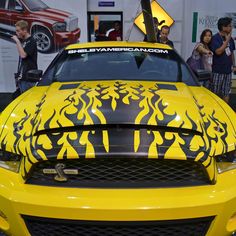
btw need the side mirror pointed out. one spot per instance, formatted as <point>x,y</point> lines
<point>19,8</point>
<point>203,75</point>
<point>34,75</point>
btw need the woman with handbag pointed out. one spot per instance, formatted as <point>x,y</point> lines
<point>201,58</point>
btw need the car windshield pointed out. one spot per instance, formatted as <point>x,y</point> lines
<point>144,64</point>
<point>35,5</point>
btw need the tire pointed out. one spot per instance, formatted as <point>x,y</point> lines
<point>44,40</point>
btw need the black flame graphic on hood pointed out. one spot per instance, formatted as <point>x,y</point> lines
<point>139,105</point>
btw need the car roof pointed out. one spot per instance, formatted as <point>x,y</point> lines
<point>118,44</point>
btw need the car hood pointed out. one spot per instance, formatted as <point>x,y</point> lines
<point>118,103</point>
<point>118,118</point>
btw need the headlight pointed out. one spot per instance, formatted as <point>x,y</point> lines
<point>226,161</point>
<point>10,161</point>
<point>59,27</point>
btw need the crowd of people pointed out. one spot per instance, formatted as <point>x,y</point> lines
<point>214,53</point>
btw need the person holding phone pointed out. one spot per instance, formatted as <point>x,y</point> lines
<point>223,46</point>
<point>27,49</point>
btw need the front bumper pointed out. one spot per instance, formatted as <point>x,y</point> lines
<point>66,38</point>
<point>17,199</point>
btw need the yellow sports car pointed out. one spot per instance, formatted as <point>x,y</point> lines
<point>117,139</point>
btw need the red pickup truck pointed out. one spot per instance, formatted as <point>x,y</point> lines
<point>51,28</point>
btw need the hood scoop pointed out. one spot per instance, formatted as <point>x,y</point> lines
<point>116,128</point>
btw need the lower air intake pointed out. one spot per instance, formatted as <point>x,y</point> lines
<point>53,227</point>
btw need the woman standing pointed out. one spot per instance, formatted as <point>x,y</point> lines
<point>202,49</point>
<point>201,58</point>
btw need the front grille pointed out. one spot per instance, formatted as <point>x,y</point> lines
<point>53,227</point>
<point>72,23</point>
<point>121,173</point>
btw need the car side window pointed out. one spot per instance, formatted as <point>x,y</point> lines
<point>187,78</point>
<point>2,4</point>
<point>13,4</point>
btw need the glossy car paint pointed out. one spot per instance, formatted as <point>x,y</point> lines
<point>210,130</point>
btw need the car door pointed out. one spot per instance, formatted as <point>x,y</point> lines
<point>3,18</point>
<point>15,13</point>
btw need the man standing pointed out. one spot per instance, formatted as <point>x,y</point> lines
<point>27,49</point>
<point>165,30</point>
<point>222,45</point>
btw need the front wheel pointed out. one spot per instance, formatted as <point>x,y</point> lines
<point>44,40</point>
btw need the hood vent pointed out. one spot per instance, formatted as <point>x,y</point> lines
<point>100,127</point>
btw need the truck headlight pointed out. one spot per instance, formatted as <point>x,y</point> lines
<point>226,161</point>
<point>10,161</point>
<point>59,27</point>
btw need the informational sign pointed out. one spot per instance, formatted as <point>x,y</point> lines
<point>158,12</point>
<point>117,49</point>
<point>204,20</point>
<point>106,4</point>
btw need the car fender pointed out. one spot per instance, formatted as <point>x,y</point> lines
<point>227,109</point>
<point>218,120</point>
<point>9,111</point>
<point>36,23</point>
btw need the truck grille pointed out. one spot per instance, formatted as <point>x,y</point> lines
<point>121,173</point>
<point>72,23</point>
<point>53,227</point>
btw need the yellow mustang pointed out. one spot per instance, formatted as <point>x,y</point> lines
<point>117,139</point>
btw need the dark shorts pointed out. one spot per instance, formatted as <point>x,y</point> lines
<point>221,84</point>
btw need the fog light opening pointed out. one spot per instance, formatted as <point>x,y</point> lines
<point>4,225</point>
<point>231,225</point>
